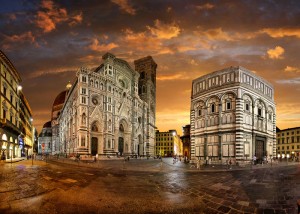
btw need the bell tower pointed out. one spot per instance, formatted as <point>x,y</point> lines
<point>147,92</point>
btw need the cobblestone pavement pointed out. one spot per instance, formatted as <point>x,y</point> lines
<point>146,186</point>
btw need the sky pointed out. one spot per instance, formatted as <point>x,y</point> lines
<point>47,41</point>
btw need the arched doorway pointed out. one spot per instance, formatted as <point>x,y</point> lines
<point>140,146</point>
<point>121,139</point>
<point>121,145</point>
<point>94,149</point>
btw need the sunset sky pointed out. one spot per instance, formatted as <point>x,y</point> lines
<point>48,41</point>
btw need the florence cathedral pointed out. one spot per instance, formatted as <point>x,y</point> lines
<point>233,117</point>
<point>109,110</point>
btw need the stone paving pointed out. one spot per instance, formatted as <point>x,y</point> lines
<point>146,186</point>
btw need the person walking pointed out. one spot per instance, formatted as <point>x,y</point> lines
<point>254,160</point>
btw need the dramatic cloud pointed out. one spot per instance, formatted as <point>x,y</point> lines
<point>275,53</point>
<point>291,69</point>
<point>164,31</point>
<point>95,46</point>
<point>14,41</point>
<point>51,15</point>
<point>206,6</point>
<point>124,5</point>
<point>169,77</point>
<point>217,34</point>
<point>48,40</point>
<point>76,19</point>
<point>289,81</point>
<point>143,41</point>
<point>282,32</point>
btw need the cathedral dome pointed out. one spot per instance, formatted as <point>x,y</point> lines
<point>58,104</point>
<point>47,125</point>
<point>60,98</point>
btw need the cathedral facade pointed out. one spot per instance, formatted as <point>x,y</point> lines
<point>233,116</point>
<point>109,110</point>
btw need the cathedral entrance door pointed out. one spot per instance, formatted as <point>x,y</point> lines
<point>259,150</point>
<point>121,145</point>
<point>94,149</point>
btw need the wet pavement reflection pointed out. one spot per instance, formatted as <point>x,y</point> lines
<point>145,186</point>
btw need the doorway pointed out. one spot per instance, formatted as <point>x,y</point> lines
<point>259,150</point>
<point>121,145</point>
<point>94,149</point>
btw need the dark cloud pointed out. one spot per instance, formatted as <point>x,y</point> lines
<point>48,40</point>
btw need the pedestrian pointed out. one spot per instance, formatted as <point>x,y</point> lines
<point>254,160</point>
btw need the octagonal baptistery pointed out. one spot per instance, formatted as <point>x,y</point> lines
<point>233,117</point>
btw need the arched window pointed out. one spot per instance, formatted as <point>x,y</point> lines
<point>121,128</point>
<point>199,112</point>
<point>259,112</point>
<point>212,108</point>
<point>228,105</point>
<point>247,106</point>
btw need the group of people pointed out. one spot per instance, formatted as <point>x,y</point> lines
<point>255,161</point>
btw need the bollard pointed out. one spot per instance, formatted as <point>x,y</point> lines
<point>298,203</point>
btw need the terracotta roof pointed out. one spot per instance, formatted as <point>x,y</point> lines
<point>47,125</point>
<point>60,99</point>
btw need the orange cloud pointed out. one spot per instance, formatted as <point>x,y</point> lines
<point>168,77</point>
<point>45,22</point>
<point>95,46</point>
<point>12,16</point>
<point>25,37</point>
<point>51,15</point>
<point>124,5</point>
<point>144,41</point>
<point>164,31</point>
<point>291,69</point>
<point>51,71</point>
<point>206,6</point>
<point>281,32</point>
<point>76,19</point>
<point>275,53</point>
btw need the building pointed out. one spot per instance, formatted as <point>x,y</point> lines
<point>186,141</point>
<point>107,111</point>
<point>288,143</point>
<point>233,116</point>
<point>27,129</point>
<point>168,144</point>
<point>45,139</point>
<point>14,142</point>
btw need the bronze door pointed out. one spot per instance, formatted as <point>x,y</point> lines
<point>121,145</point>
<point>259,150</point>
<point>94,146</point>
